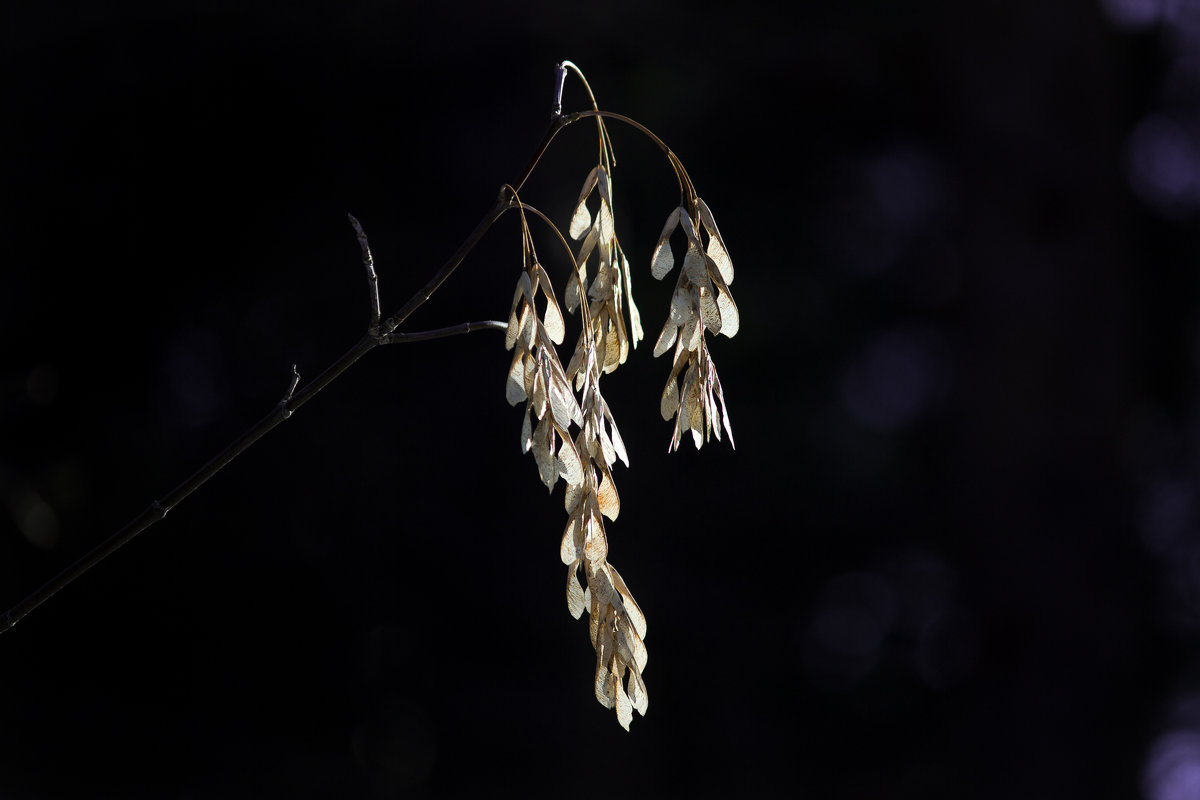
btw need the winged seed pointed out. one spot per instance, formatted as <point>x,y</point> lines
<point>637,692</point>
<point>576,603</point>
<point>570,550</point>
<point>581,220</point>
<point>624,706</point>
<point>663,260</point>
<point>716,244</point>
<point>514,387</point>
<point>606,495</point>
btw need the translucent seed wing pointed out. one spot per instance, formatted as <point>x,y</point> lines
<point>666,338</point>
<point>600,584</point>
<point>710,309</point>
<point>543,453</point>
<point>553,323</point>
<point>604,687</point>
<point>730,319</point>
<point>637,692</point>
<point>617,442</point>
<point>605,222</point>
<point>570,550</point>
<point>623,704</point>
<point>576,603</point>
<point>527,327</point>
<point>537,396</point>
<point>526,432</point>
<point>531,371</point>
<point>514,387</point>
<point>573,494</point>
<point>595,544</point>
<point>581,219</point>
<point>632,610</point>
<point>663,260</point>
<point>569,464</point>
<point>668,404</point>
<point>693,265</point>
<point>525,286</point>
<point>689,228</point>
<point>716,244</point>
<point>635,318</point>
<point>724,412</point>
<point>604,182</point>
<point>606,495</point>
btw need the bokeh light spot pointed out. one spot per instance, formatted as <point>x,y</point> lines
<point>851,619</point>
<point>895,377</point>
<point>1173,769</point>
<point>34,517</point>
<point>1166,514</point>
<point>1133,15</point>
<point>1164,164</point>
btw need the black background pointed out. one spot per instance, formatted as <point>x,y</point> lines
<point>955,553</point>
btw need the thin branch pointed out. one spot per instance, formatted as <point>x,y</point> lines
<point>503,203</point>
<point>296,396</point>
<point>442,333</point>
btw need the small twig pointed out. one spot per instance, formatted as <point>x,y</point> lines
<point>503,203</point>
<point>291,390</point>
<point>560,78</point>
<point>372,278</point>
<point>377,334</point>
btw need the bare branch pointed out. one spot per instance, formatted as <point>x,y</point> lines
<point>296,395</point>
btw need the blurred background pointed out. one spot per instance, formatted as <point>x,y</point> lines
<point>956,552</point>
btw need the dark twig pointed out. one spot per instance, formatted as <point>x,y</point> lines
<point>372,278</point>
<point>291,390</point>
<point>560,78</point>
<point>377,334</point>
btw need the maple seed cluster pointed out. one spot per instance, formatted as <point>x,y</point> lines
<point>701,302</point>
<point>568,425</point>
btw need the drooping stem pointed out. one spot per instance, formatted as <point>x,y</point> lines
<point>607,157</point>
<point>584,309</point>
<point>685,182</point>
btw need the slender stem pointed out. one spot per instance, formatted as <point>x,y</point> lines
<point>557,123</point>
<point>607,157</point>
<point>685,181</point>
<point>584,307</point>
<point>159,508</point>
<point>503,203</point>
<point>442,333</point>
<point>376,335</point>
